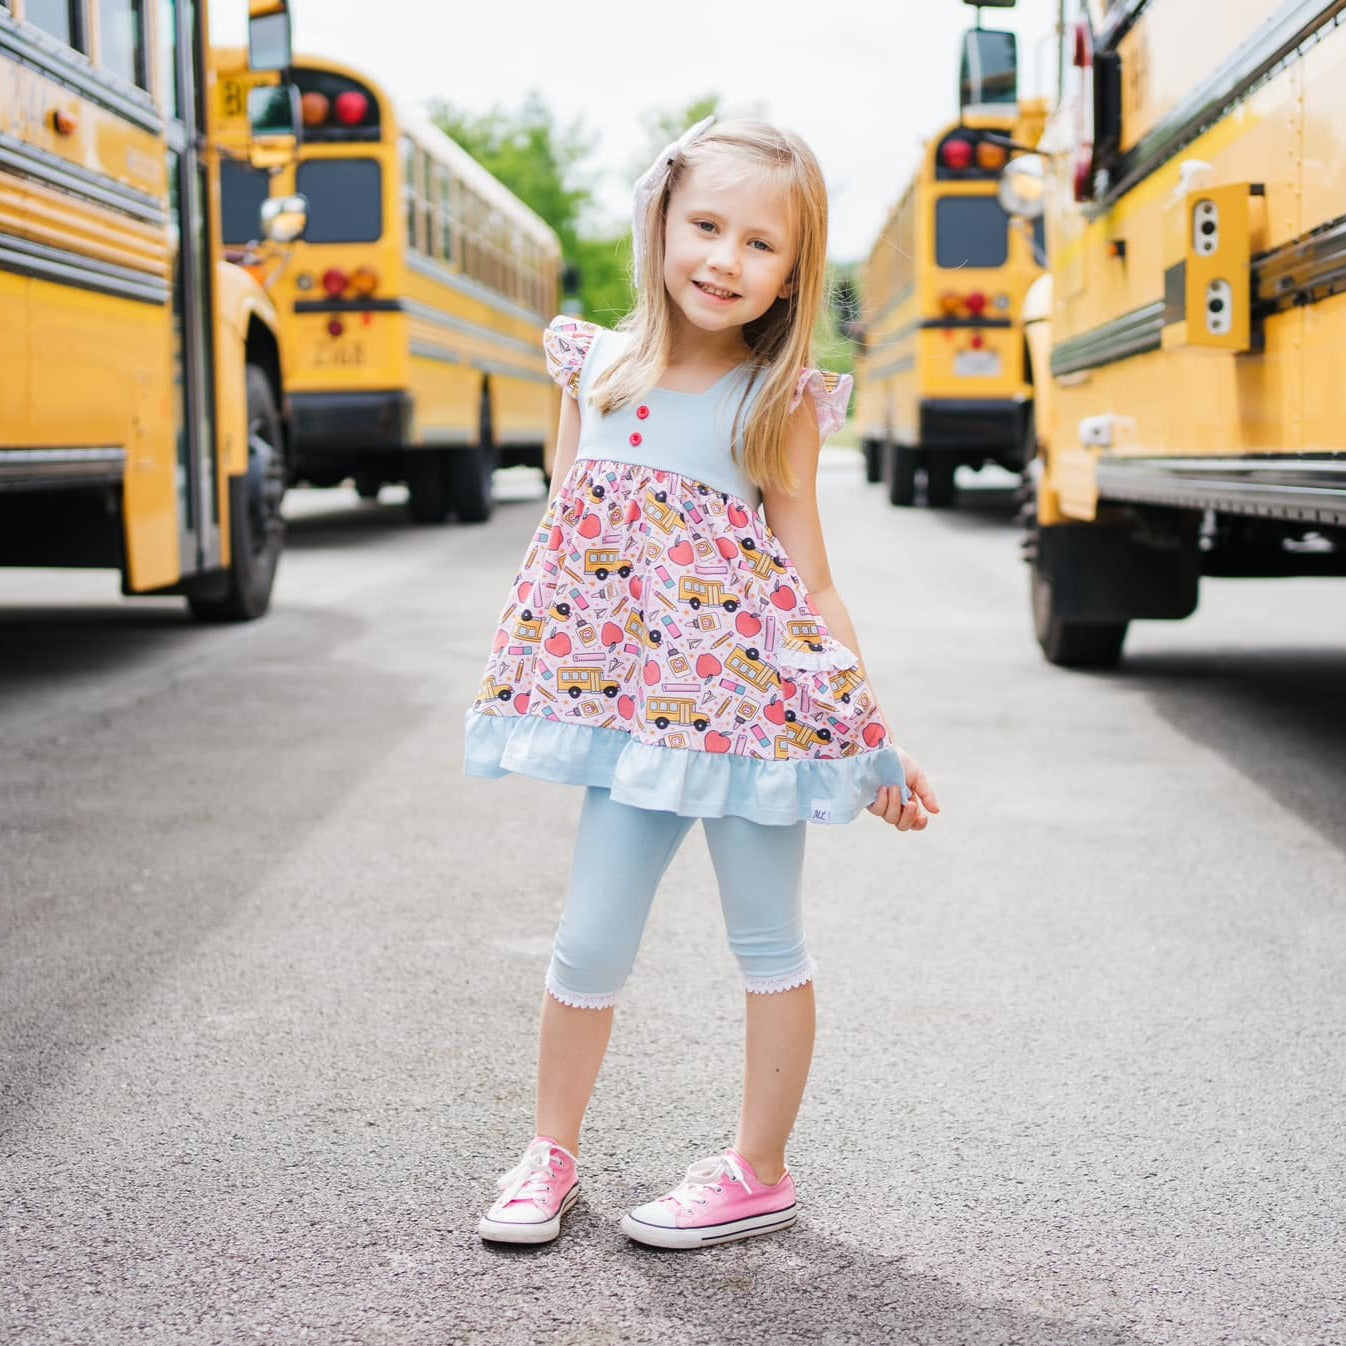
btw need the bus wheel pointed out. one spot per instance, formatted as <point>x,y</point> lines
<point>256,530</point>
<point>470,492</point>
<point>427,486</point>
<point>873,452</point>
<point>939,482</point>
<point>367,485</point>
<point>901,474</point>
<point>1072,644</point>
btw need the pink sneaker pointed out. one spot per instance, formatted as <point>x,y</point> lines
<point>533,1196</point>
<point>719,1201</point>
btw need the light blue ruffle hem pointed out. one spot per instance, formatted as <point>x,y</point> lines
<point>677,780</point>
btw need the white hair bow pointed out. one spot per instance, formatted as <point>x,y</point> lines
<point>651,183</point>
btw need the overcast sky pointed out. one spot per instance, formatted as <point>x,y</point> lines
<point>863,81</point>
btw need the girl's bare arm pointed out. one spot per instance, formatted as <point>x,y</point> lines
<point>793,517</point>
<point>567,442</point>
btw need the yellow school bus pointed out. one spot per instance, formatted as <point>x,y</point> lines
<point>141,396</point>
<point>942,378</point>
<point>1195,198</point>
<point>413,304</point>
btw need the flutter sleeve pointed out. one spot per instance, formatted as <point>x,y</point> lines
<point>566,342</point>
<point>831,396</point>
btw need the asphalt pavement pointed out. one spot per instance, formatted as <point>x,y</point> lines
<point>271,969</point>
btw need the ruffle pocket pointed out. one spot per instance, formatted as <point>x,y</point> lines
<point>833,657</point>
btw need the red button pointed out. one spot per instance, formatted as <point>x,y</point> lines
<point>642,413</point>
<point>636,439</point>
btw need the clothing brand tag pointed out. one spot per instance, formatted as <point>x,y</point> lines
<point>821,813</point>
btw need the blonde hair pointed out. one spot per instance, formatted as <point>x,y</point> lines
<point>780,340</point>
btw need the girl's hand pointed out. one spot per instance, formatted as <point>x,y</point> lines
<point>914,815</point>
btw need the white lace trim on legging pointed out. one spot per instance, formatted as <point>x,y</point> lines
<point>577,999</point>
<point>775,985</point>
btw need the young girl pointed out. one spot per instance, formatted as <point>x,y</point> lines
<point>682,658</point>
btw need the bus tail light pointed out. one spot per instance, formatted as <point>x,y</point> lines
<point>315,108</point>
<point>950,303</point>
<point>990,158</point>
<point>976,303</point>
<point>336,327</point>
<point>334,281</point>
<point>956,154</point>
<point>364,281</point>
<point>351,107</point>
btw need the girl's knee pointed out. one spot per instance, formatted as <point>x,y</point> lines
<point>587,969</point>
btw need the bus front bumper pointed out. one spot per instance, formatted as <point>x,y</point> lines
<point>336,423</point>
<point>997,428</point>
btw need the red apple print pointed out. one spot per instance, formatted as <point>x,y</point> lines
<point>873,734</point>
<point>728,547</point>
<point>525,589</point>
<point>501,639</point>
<point>707,666</point>
<point>787,688</point>
<point>682,554</point>
<point>632,512</point>
<point>783,598</point>
<point>590,526</point>
<point>626,707</point>
<point>559,644</point>
<point>636,586</point>
<point>651,673</point>
<point>716,742</point>
<point>554,538</point>
<point>738,516</point>
<point>746,624</point>
<point>774,711</point>
<point>612,634</point>
<point>521,702</point>
<point>812,607</point>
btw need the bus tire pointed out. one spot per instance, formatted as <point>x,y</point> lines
<point>427,486</point>
<point>939,488</point>
<point>873,452</point>
<point>901,475</point>
<point>256,529</point>
<point>367,485</point>
<point>1072,644</point>
<point>470,491</point>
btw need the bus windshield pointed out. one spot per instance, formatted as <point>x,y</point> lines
<point>345,199</point>
<point>971,231</point>
<point>242,191</point>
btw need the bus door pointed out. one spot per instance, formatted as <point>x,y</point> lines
<point>192,411</point>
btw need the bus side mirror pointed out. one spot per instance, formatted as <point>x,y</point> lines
<point>284,218</point>
<point>275,120</point>
<point>1023,187</point>
<point>989,70</point>
<point>269,34</point>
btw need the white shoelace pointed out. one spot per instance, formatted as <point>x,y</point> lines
<point>713,1172</point>
<point>531,1180</point>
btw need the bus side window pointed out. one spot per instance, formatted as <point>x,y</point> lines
<point>121,40</point>
<point>409,158</point>
<point>426,202</point>
<point>446,216</point>
<point>63,19</point>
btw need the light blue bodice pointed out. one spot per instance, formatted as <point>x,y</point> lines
<point>686,433</point>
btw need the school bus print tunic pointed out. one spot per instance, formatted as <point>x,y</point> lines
<point>657,641</point>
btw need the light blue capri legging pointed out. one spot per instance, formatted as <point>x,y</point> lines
<point>621,853</point>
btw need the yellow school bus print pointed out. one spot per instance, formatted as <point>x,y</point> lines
<point>527,627</point>
<point>746,662</point>
<point>575,682</point>
<point>637,630</point>
<point>659,512</point>
<point>1194,312</point>
<point>803,633</point>
<point>602,561</point>
<point>491,690</point>
<point>797,734</point>
<point>696,592</point>
<point>763,563</point>
<point>663,711</point>
<point>842,684</point>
